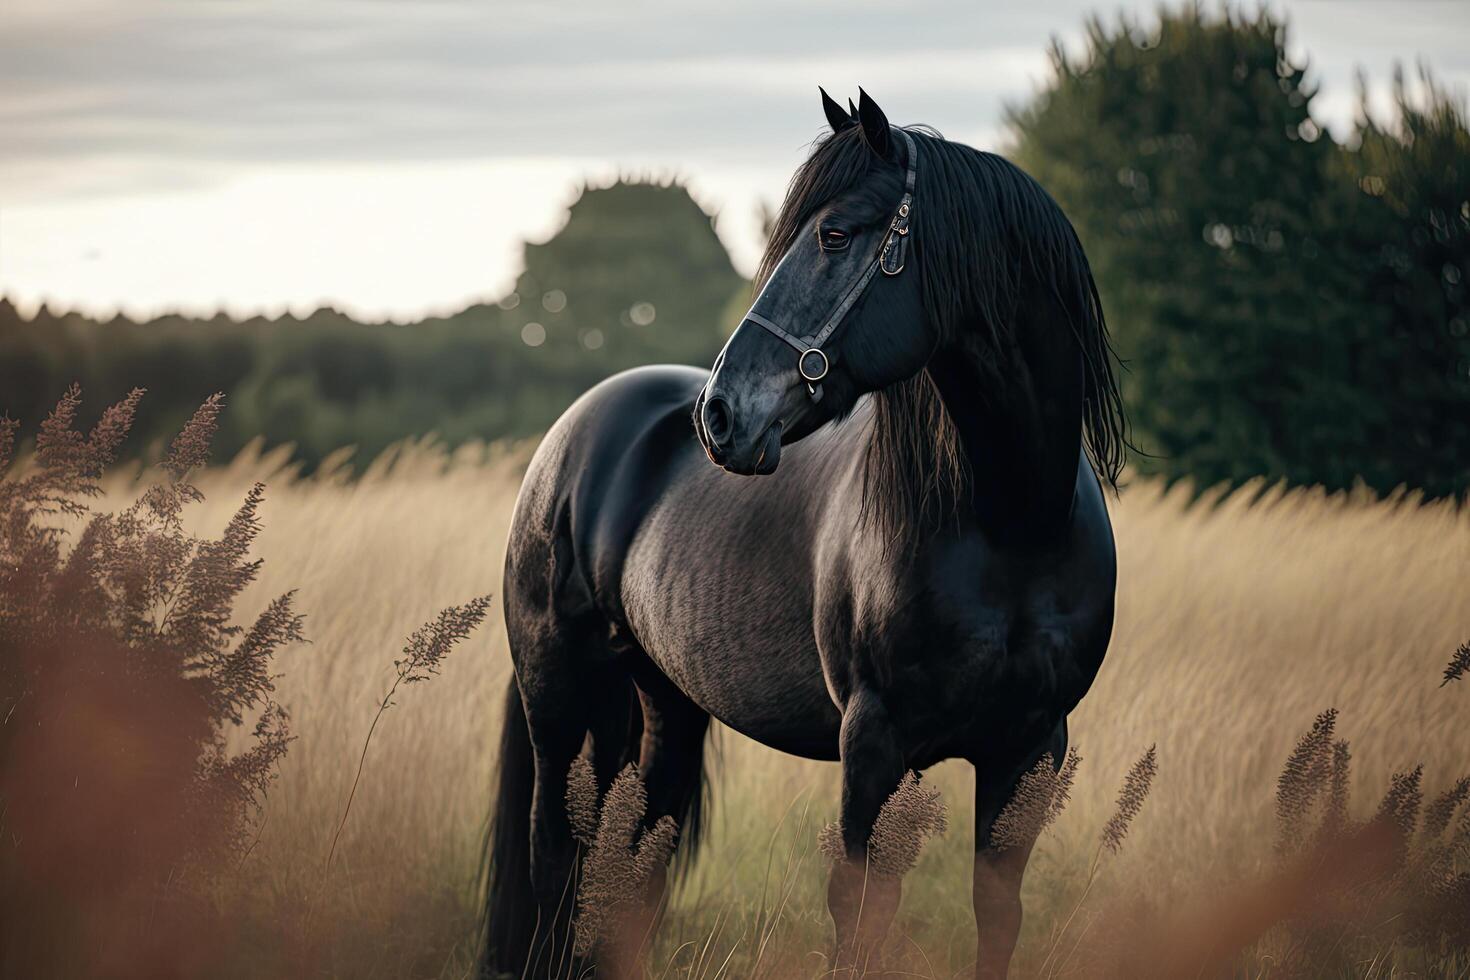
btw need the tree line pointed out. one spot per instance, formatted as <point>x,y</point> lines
<point>636,275</point>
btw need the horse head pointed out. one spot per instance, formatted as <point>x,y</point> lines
<point>839,312</point>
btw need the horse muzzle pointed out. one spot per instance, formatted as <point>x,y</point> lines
<point>718,431</point>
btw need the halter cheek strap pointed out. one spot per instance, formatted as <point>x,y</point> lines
<point>811,361</point>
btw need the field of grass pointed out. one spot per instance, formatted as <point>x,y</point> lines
<point>1238,621</point>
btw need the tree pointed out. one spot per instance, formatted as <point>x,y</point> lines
<point>640,264</point>
<point>1243,270</point>
<point>1404,222</point>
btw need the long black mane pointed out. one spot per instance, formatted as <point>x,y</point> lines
<point>983,231</point>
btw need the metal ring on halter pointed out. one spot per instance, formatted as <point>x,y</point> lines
<point>817,373</point>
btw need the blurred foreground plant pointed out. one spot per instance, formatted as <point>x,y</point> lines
<point>1385,894</point>
<point>121,671</point>
<point>621,858</point>
<point>1413,896</point>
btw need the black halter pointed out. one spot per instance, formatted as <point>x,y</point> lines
<point>811,361</point>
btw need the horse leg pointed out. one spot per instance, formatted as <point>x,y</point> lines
<point>671,764</point>
<point>998,871</point>
<point>614,729</point>
<point>557,669</point>
<point>671,756</point>
<point>862,903</point>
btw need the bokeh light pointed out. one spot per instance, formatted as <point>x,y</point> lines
<point>642,314</point>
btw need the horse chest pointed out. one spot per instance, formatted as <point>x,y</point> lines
<point>966,661</point>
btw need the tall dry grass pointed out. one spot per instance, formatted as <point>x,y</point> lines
<point>1239,620</point>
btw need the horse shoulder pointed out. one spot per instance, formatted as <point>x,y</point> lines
<point>590,481</point>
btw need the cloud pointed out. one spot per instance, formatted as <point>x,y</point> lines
<point>258,81</point>
<point>230,112</point>
<point>313,80</point>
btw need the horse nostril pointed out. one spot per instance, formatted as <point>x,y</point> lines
<point>718,420</point>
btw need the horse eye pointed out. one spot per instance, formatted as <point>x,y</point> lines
<point>834,240</point>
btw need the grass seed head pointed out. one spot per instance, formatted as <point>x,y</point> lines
<point>1304,779</point>
<point>1130,800</point>
<point>622,858</point>
<point>1441,811</point>
<point>1038,799</point>
<point>582,800</point>
<point>430,643</point>
<point>830,843</point>
<point>1458,666</point>
<point>1335,816</point>
<point>907,820</point>
<point>1400,806</point>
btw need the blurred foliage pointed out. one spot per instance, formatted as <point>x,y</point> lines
<point>1287,306</point>
<point>637,275</point>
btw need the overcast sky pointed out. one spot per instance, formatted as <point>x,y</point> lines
<point>389,157</point>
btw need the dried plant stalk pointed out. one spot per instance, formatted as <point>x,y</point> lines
<point>1400,806</point>
<point>1441,811</point>
<point>910,817</point>
<point>423,653</point>
<point>1136,786</point>
<point>1130,800</point>
<point>1038,799</point>
<point>1304,779</point>
<point>1458,666</point>
<point>1335,817</point>
<point>622,857</point>
<point>582,801</point>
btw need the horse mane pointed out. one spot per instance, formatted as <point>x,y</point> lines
<point>983,230</point>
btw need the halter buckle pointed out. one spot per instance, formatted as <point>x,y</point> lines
<point>891,257</point>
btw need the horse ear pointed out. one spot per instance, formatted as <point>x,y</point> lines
<point>875,126</point>
<point>838,119</point>
<point>852,109</point>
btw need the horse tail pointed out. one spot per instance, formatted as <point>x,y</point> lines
<point>509,917</point>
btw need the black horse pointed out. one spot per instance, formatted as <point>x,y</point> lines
<point>924,571</point>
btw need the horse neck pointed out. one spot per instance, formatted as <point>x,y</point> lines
<point>1021,435</point>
